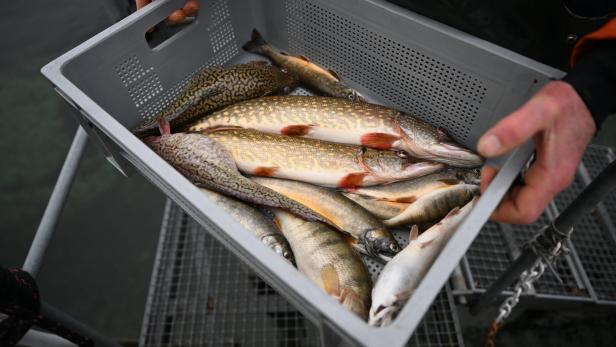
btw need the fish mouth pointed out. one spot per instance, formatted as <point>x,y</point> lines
<point>454,155</point>
<point>383,316</point>
<point>380,242</point>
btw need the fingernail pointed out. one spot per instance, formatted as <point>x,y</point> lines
<point>489,145</point>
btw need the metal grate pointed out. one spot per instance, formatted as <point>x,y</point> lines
<point>409,77</point>
<point>488,256</point>
<point>594,243</point>
<point>202,295</point>
<point>595,249</point>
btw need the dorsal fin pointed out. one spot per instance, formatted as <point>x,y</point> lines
<point>334,74</point>
<point>284,53</point>
<point>304,58</point>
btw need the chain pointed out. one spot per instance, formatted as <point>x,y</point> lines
<point>547,255</point>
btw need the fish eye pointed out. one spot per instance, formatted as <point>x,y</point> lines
<point>402,154</point>
<point>394,247</point>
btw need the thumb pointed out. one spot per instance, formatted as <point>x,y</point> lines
<point>517,127</point>
<point>141,3</point>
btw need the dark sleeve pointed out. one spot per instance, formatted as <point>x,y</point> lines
<point>594,79</point>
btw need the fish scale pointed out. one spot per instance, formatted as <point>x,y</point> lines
<point>208,165</point>
<point>343,121</point>
<point>217,87</point>
<point>317,249</point>
<point>319,162</point>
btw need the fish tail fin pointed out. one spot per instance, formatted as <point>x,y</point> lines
<point>256,43</point>
<point>354,303</point>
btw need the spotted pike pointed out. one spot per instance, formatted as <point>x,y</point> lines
<point>314,161</point>
<point>254,221</point>
<point>218,87</point>
<point>339,212</point>
<point>381,209</point>
<point>208,165</point>
<point>310,74</point>
<point>409,191</point>
<point>404,272</point>
<point>345,121</point>
<point>435,205</point>
<point>323,255</point>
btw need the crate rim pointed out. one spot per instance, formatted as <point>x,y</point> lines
<point>315,304</point>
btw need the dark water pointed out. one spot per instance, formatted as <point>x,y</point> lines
<point>99,263</point>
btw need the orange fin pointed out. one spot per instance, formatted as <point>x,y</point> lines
<point>353,302</point>
<point>331,281</point>
<point>296,130</point>
<point>414,233</point>
<point>334,74</point>
<point>352,180</point>
<point>378,140</point>
<point>277,223</point>
<point>407,199</point>
<point>265,171</point>
<point>304,58</point>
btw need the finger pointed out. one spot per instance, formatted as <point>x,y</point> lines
<point>190,7</point>
<point>487,175</point>
<point>141,3</point>
<point>176,17</point>
<point>517,128</point>
<point>524,204</point>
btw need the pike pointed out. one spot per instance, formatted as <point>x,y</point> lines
<point>401,276</point>
<point>254,221</point>
<point>217,87</point>
<point>379,208</point>
<point>409,191</point>
<point>344,121</point>
<point>434,205</point>
<point>314,161</point>
<point>339,212</point>
<point>208,165</point>
<point>323,255</point>
<point>310,74</point>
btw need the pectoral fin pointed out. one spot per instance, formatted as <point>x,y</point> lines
<point>265,171</point>
<point>331,281</point>
<point>354,303</point>
<point>352,180</point>
<point>379,140</point>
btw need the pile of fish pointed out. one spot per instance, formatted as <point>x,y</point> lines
<point>319,179</point>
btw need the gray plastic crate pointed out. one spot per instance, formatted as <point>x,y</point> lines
<point>389,54</point>
<point>201,295</point>
<point>588,272</point>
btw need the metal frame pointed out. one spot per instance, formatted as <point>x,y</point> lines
<point>589,269</point>
<point>200,294</point>
<point>311,301</point>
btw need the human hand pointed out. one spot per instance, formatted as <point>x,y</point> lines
<point>178,16</point>
<point>561,126</point>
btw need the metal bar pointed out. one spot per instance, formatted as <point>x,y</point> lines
<point>581,206</point>
<point>56,202</point>
<point>75,326</point>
